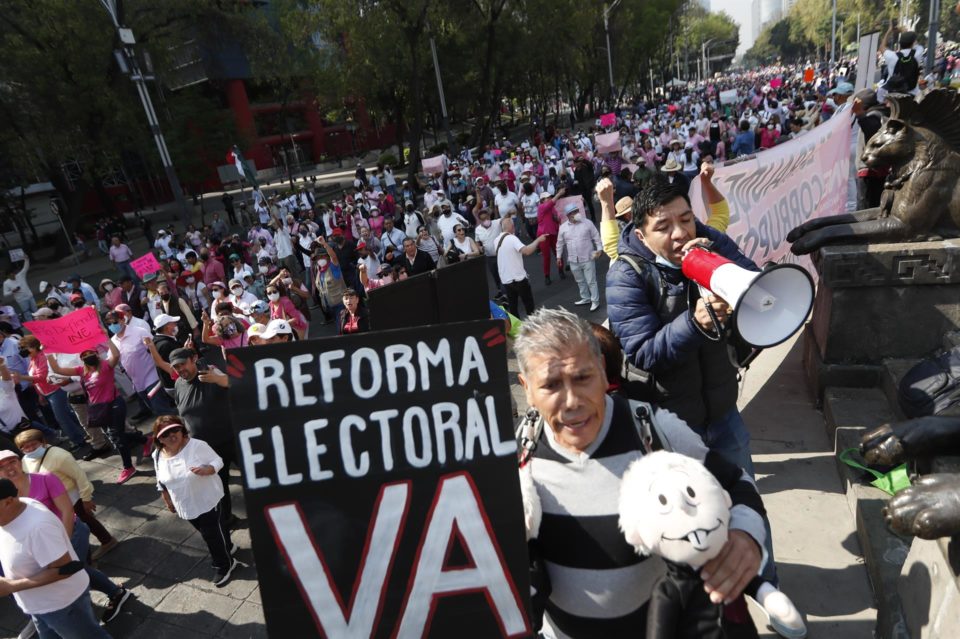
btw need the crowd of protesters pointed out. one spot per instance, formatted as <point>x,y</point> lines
<point>270,271</point>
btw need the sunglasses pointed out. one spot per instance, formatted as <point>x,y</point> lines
<point>168,433</point>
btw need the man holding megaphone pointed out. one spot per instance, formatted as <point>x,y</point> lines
<point>675,325</point>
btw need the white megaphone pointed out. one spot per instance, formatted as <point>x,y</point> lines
<point>768,307</point>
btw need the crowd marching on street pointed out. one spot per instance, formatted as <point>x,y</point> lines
<point>273,270</point>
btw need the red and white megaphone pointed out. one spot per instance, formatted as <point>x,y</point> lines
<point>769,306</point>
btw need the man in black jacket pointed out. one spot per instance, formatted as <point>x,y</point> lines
<point>415,260</point>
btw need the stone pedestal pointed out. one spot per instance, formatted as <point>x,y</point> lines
<point>930,590</point>
<point>880,301</point>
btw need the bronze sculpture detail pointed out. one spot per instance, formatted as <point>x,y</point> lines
<point>921,198</point>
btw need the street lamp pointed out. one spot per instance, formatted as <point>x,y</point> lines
<point>607,10</point>
<point>127,60</point>
<point>443,102</point>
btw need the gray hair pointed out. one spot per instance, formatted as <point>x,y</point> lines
<point>553,331</point>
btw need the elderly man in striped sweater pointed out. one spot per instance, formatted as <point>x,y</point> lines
<point>599,587</point>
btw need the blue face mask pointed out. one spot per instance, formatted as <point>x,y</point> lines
<point>36,453</point>
<point>668,264</point>
<point>114,328</point>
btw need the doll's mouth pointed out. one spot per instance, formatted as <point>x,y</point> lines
<point>696,537</point>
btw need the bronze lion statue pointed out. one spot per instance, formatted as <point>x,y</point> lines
<point>921,197</point>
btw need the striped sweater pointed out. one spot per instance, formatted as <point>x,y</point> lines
<point>600,586</point>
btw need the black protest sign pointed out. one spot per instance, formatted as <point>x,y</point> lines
<point>381,484</point>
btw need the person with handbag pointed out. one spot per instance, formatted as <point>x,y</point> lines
<point>461,247</point>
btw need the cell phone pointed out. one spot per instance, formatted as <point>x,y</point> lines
<point>70,568</point>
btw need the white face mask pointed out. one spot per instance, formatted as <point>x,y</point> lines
<point>108,287</point>
<point>288,281</point>
<point>237,290</point>
<point>273,297</point>
<point>322,263</point>
<point>264,269</point>
<point>216,294</point>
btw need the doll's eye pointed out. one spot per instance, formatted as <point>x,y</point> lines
<point>690,492</point>
<point>663,500</point>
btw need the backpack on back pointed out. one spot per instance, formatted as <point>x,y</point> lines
<point>904,77</point>
<point>932,387</point>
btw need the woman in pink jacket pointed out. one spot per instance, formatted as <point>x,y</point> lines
<point>282,308</point>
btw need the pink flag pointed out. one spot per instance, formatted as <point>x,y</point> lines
<point>73,333</point>
<point>608,119</point>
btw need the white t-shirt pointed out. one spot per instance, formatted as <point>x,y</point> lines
<point>446,224</point>
<point>510,259</point>
<point>10,412</point>
<point>530,203</point>
<point>192,495</point>
<point>30,543</point>
<point>488,236</point>
<point>506,204</point>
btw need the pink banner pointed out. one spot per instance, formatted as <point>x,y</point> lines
<point>608,119</point>
<point>145,264</point>
<point>778,189</point>
<point>433,165</point>
<point>73,333</point>
<point>608,142</point>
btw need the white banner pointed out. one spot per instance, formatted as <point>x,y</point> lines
<point>728,97</point>
<point>776,190</point>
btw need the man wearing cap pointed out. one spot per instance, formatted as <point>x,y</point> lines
<point>162,345</point>
<point>42,570</point>
<point>16,286</point>
<point>132,295</point>
<point>578,244</point>
<point>162,244</point>
<point>838,96</point>
<point>239,296</point>
<point>870,116</point>
<point>203,402</point>
<point>138,364</point>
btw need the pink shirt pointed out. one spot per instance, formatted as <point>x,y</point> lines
<point>45,487</point>
<point>38,369</point>
<point>376,224</point>
<point>100,385</point>
<point>283,308</point>
<point>547,219</point>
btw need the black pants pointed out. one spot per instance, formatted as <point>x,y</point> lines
<point>215,535</point>
<point>495,272</point>
<point>517,291</point>
<point>227,453</point>
<point>869,189</point>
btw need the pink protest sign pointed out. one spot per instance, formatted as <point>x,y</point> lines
<point>608,142</point>
<point>433,165</point>
<point>776,83</point>
<point>145,264</point>
<point>73,333</point>
<point>608,119</point>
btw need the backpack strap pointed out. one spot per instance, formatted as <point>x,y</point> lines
<point>647,273</point>
<point>647,427</point>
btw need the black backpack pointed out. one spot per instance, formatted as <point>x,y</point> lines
<point>904,77</point>
<point>932,387</point>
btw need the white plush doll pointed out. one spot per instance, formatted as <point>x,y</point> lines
<point>671,506</point>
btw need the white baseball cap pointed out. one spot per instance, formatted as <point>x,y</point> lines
<point>163,319</point>
<point>277,327</point>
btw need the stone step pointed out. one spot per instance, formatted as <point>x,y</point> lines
<point>850,412</point>
<point>855,407</point>
<point>930,590</point>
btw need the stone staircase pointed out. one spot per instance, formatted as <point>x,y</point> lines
<point>914,581</point>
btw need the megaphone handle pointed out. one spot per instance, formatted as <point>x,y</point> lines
<point>717,333</point>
